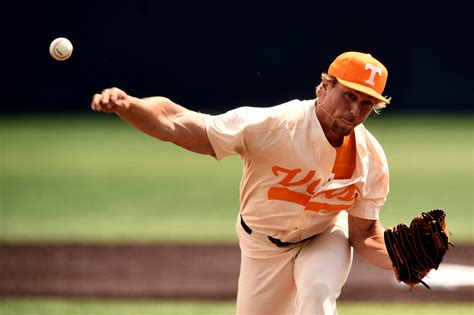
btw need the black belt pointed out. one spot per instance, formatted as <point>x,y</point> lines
<point>275,241</point>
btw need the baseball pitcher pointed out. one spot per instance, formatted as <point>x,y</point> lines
<point>314,181</point>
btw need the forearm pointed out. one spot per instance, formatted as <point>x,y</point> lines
<point>158,117</point>
<point>369,244</point>
<point>152,116</point>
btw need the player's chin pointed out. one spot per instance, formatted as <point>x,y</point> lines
<point>342,130</point>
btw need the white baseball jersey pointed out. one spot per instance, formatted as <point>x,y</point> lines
<point>288,190</point>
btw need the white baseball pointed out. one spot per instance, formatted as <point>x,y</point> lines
<point>60,49</point>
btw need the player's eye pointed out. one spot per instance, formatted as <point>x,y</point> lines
<point>367,104</point>
<point>350,96</point>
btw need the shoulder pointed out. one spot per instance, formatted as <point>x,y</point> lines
<point>368,142</point>
<point>292,106</point>
<point>285,114</point>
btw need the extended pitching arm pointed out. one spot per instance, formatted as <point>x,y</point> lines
<point>158,117</point>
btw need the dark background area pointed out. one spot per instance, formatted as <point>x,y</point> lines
<point>220,55</point>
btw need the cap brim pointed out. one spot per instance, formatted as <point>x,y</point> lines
<point>364,89</point>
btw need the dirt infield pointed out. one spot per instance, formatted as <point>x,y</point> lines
<point>178,272</point>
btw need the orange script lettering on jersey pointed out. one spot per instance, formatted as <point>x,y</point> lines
<point>333,200</point>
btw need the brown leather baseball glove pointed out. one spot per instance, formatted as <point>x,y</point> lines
<point>417,249</point>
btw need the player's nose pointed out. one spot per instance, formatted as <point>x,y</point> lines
<point>354,109</point>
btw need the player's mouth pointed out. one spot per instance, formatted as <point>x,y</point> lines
<point>347,122</point>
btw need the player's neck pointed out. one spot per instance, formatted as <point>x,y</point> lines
<point>334,140</point>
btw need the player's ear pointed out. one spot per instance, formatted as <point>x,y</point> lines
<point>323,87</point>
<point>326,82</point>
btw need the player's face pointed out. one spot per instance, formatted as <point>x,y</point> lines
<point>347,107</point>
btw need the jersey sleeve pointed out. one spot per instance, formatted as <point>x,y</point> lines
<point>374,187</point>
<point>247,130</point>
<point>226,132</point>
<point>372,195</point>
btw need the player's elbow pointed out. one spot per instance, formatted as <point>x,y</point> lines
<point>361,229</point>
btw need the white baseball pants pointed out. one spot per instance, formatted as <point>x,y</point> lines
<point>304,278</point>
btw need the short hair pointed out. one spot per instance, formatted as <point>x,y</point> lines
<point>332,80</point>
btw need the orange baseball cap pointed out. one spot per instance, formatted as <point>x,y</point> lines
<point>360,72</point>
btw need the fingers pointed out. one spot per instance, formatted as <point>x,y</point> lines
<point>110,100</point>
<point>95,105</point>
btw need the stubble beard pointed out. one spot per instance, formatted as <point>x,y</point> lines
<point>339,130</point>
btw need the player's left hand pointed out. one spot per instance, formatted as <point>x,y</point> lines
<point>417,249</point>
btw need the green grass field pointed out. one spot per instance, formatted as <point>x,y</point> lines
<point>98,307</point>
<point>94,178</point>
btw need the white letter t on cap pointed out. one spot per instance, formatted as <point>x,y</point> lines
<point>373,71</point>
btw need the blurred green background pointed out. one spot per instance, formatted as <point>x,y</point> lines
<point>93,178</point>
